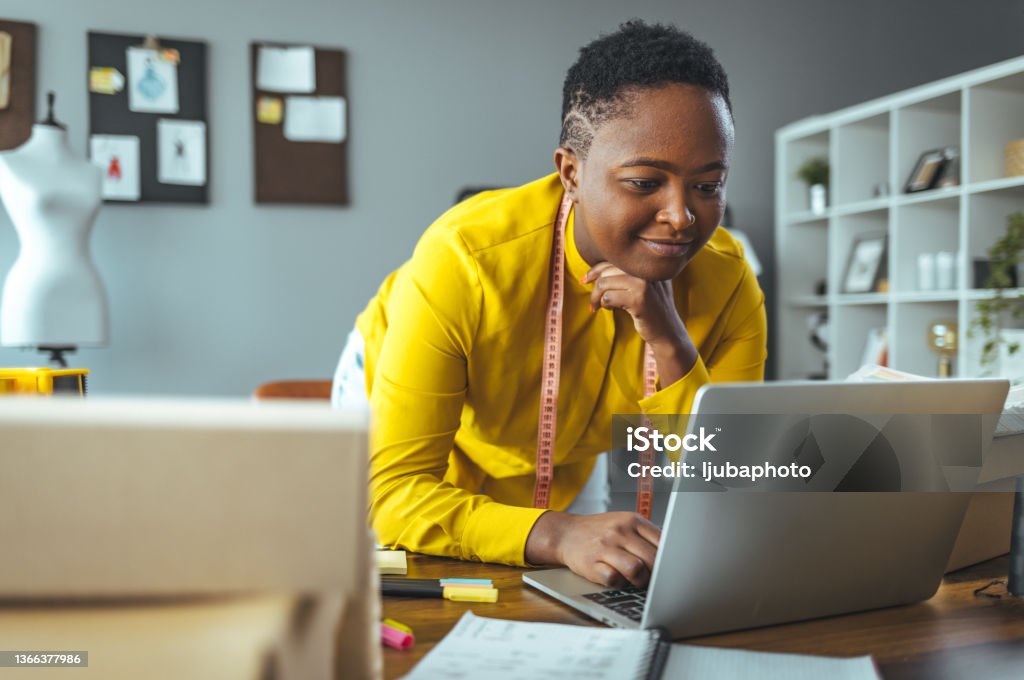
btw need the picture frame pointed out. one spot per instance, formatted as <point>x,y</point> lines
<point>876,347</point>
<point>865,265</point>
<point>927,171</point>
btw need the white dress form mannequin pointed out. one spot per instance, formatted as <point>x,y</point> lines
<point>53,295</point>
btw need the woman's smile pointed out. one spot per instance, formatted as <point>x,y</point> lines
<point>667,247</point>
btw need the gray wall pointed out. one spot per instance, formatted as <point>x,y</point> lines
<point>443,93</point>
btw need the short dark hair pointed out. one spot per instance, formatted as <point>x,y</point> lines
<point>598,85</point>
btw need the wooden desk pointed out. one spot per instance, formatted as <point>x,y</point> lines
<point>953,635</point>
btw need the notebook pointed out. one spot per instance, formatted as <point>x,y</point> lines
<point>485,648</point>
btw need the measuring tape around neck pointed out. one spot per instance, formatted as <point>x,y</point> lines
<point>552,371</point>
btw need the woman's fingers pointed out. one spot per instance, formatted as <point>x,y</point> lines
<point>596,271</point>
<point>630,567</point>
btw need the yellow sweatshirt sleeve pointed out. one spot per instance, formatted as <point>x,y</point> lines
<point>416,400</point>
<point>739,357</point>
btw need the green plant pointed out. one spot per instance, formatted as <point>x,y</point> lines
<point>814,171</point>
<point>1004,256</point>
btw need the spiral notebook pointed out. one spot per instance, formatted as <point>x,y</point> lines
<point>482,648</point>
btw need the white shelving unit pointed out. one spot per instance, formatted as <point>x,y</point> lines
<point>880,141</point>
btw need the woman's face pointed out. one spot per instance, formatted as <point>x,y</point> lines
<point>651,190</point>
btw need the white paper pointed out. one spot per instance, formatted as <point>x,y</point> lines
<point>117,156</point>
<point>482,649</point>
<point>152,82</point>
<point>314,119</point>
<point>181,152</point>
<point>286,69</point>
<point>689,661</point>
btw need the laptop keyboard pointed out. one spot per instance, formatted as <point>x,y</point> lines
<point>628,602</point>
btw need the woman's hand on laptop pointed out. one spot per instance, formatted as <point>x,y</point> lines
<point>613,548</point>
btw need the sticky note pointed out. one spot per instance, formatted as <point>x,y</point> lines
<point>105,80</point>
<point>269,110</point>
<point>463,594</point>
<point>391,562</point>
<point>467,582</point>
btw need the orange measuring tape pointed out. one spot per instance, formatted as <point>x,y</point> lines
<point>548,417</point>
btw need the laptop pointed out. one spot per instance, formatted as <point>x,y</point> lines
<point>730,561</point>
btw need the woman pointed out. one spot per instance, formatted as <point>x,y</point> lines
<point>455,338</point>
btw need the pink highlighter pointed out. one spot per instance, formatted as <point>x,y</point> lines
<point>396,635</point>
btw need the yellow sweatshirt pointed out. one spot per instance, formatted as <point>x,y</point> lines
<point>454,340</point>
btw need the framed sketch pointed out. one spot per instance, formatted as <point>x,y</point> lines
<point>926,171</point>
<point>865,265</point>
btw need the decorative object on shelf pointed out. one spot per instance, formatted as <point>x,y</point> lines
<point>876,349</point>
<point>983,271</point>
<point>945,270</point>
<point>1003,258</point>
<point>942,339</point>
<point>817,328</point>
<point>926,172</point>
<point>814,173</point>
<point>53,299</point>
<point>1013,155</point>
<point>949,174</point>
<point>926,271</point>
<point>866,264</point>
<point>821,287</point>
<point>880,189</point>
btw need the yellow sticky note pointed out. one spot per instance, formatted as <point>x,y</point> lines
<point>105,80</point>
<point>270,110</point>
<point>457,594</point>
<point>170,54</point>
<point>391,562</point>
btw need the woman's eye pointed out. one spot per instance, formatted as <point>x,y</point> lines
<point>710,189</point>
<point>644,184</point>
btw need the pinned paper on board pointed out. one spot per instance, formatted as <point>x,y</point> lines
<point>314,119</point>
<point>103,80</point>
<point>117,156</point>
<point>269,110</point>
<point>152,82</point>
<point>286,69</point>
<point>181,152</point>
<point>5,69</point>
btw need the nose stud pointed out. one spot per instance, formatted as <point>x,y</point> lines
<point>693,219</point>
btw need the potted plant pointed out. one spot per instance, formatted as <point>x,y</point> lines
<point>814,173</point>
<point>1004,257</point>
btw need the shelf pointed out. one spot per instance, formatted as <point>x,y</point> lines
<point>879,141</point>
<point>988,293</point>
<point>861,207</point>
<point>807,217</point>
<point>808,301</point>
<point>926,296</point>
<point>932,195</point>
<point>996,185</point>
<point>844,299</point>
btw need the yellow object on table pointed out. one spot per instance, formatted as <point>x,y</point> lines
<point>43,381</point>
<point>391,562</point>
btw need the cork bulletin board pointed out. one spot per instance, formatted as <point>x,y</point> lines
<point>300,124</point>
<point>17,82</point>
